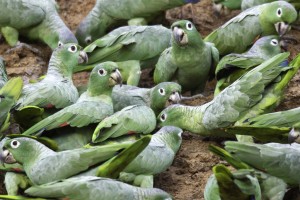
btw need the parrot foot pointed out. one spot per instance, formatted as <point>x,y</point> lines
<point>20,46</point>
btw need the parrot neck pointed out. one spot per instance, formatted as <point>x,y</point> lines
<point>97,89</point>
<point>41,152</point>
<point>57,68</point>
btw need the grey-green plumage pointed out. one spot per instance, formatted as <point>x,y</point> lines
<point>157,97</point>
<point>94,188</point>
<point>189,60</point>
<point>140,43</point>
<point>129,120</point>
<point>233,66</point>
<point>57,88</point>
<point>15,181</point>
<point>43,165</point>
<point>106,13</point>
<point>92,106</point>
<point>155,158</point>
<point>3,74</point>
<point>251,3</point>
<point>241,31</point>
<point>230,105</point>
<point>37,20</point>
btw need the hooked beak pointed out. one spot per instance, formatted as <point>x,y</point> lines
<point>83,57</point>
<point>174,98</point>
<point>294,136</point>
<point>116,78</point>
<point>180,36</point>
<point>282,28</point>
<point>7,157</point>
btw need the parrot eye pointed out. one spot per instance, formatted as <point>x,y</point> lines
<point>163,117</point>
<point>189,26</point>
<point>72,49</point>
<point>274,42</point>
<point>88,39</point>
<point>279,12</point>
<point>15,144</point>
<point>60,43</point>
<point>102,72</point>
<point>162,91</point>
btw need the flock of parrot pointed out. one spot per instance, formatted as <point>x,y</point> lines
<point>109,138</point>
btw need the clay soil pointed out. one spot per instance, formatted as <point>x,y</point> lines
<point>187,177</point>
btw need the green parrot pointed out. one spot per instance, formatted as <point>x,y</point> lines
<point>233,66</point>
<point>36,20</point>
<point>95,188</point>
<point>56,89</point>
<point>12,197</point>
<point>106,13</point>
<point>229,106</point>
<point>241,31</point>
<point>43,165</point>
<point>13,181</point>
<point>92,106</point>
<point>129,120</point>
<point>251,3</point>
<point>141,43</point>
<point>155,158</point>
<point>9,94</point>
<point>189,60</point>
<point>157,97</point>
<point>230,4</point>
<point>279,160</point>
<point>3,74</point>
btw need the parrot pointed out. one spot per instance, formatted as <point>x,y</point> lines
<point>245,4</point>
<point>92,106</point>
<point>12,197</point>
<point>13,181</point>
<point>233,66</point>
<point>279,160</point>
<point>230,4</point>
<point>36,20</point>
<point>179,62</point>
<point>240,32</point>
<point>227,107</point>
<point>3,74</point>
<point>43,165</point>
<point>56,89</point>
<point>95,188</point>
<point>106,13</point>
<point>155,158</point>
<point>141,43</point>
<point>129,120</point>
<point>157,97</point>
<point>9,94</point>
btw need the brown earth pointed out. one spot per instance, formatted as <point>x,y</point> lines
<point>187,177</point>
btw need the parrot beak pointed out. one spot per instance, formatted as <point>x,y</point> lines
<point>283,45</point>
<point>294,136</point>
<point>116,78</point>
<point>282,28</point>
<point>180,36</point>
<point>7,157</point>
<point>174,98</point>
<point>83,57</point>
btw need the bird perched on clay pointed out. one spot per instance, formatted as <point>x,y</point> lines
<point>92,106</point>
<point>141,43</point>
<point>233,66</point>
<point>56,89</point>
<point>106,13</point>
<point>230,105</point>
<point>179,62</point>
<point>157,97</point>
<point>240,32</point>
<point>36,20</point>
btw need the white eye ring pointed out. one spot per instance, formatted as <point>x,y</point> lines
<point>60,44</point>
<point>279,12</point>
<point>161,91</point>
<point>14,144</point>
<point>72,49</point>
<point>274,42</point>
<point>102,72</point>
<point>189,26</point>
<point>163,117</point>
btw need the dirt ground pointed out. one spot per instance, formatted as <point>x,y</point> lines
<point>187,177</point>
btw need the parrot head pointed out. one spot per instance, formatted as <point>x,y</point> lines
<point>185,33</point>
<point>103,77</point>
<point>172,136</point>
<point>165,94</point>
<point>279,14</point>
<point>267,46</point>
